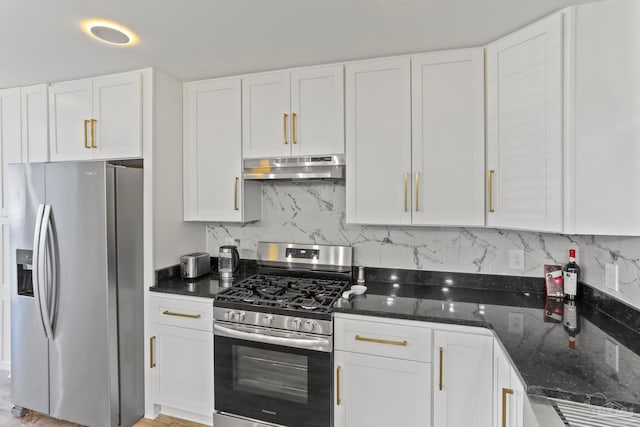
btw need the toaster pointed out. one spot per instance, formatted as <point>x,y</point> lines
<point>195,265</point>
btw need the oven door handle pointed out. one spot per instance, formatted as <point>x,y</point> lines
<point>299,341</point>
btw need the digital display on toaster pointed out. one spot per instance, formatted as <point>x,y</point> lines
<point>302,253</point>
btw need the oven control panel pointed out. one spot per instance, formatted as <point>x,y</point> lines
<point>276,321</point>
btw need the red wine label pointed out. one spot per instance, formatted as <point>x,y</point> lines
<point>570,283</point>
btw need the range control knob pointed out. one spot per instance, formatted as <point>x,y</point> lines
<point>229,315</point>
<point>240,316</point>
<point>267,320</point>
<point>308,326</point>
<point>296,323</point>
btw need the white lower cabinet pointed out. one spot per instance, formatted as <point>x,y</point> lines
<point>381,391</point>
<point>463,380</point>
<point>509,392</point>
<point>182,355</point>
<point>394,372</point>
<point>382,372</point>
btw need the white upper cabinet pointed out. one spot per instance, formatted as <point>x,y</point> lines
<point>448,138</point>
<point>117,109</point>
<point>23,121</point>
<point>524,128</point>
<point>298,112</point>
<point>96,118</point>
<point>603,194</point>
<point>265,115</point>
<point>212,147</point>
<point>415,139</point>
<point>10,127</point>
<point>317,111</point>
<point>378,141</point>
<point>35,123</point>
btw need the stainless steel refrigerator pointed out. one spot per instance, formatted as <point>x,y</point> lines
<point>77,338</point>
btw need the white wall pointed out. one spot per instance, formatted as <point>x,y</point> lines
<point>310,211</point>
<point>172,236</point>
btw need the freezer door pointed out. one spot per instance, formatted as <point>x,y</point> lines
<point>29,348</point>
<point>83,373</point>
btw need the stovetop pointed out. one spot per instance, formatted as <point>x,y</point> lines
<point>272,293</point>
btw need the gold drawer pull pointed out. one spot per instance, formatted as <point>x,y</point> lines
<point>190,316</point>
<point>505,391</point>
<point>400,343</point>
<point>152,356</point>
<point>490,188</point>
<point>338,400</point>
<point>86,141</point>
<point>441,351</point>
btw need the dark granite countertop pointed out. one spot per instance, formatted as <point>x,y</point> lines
<point>539,349</point>
<point>168,280</point>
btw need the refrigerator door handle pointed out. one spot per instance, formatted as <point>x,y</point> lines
<point>35,275</point>
<point>52,270</point>
<point>42,271</point>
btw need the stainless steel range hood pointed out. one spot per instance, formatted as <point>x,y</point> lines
<point>295,168</point>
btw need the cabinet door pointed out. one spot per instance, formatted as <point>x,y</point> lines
<point>266,115</point>
<point>463,380</point>
<point>373,391</point>
<point>212,136</point>
<point>117,109</point>
<point>35,123</point>
<point>448,138</point>
<point>317,111</point>
<point>378,141</point>
<point>185,369</point>
<point>524,128</point>
<point>10,140</point>
<point>70,109</point>
<point>508,392</point>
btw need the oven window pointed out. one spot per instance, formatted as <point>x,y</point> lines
<point>270,373</point>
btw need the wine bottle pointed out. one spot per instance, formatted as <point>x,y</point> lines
<point>571,275</point>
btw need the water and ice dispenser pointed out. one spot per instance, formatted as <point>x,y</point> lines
<point>24,261</point>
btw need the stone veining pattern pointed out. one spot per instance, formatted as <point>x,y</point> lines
<point>314,212</point>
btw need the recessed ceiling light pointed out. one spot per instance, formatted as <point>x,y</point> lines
<point>110,32</point>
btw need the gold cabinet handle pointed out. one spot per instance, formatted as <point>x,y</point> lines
<point>505,391</point>
<point>406,192</point>
<point>235,193</point>
<point>93,133</point>
<point>400,343</point>
<point>284,128</point>
<point>86,141</point>
<point>338,400</point>
<point>417,191</point>
<point>441,351</point>
<point>152,357</point>
<point>293,128</point>
<point>190,316</point>
<point>490,189</point>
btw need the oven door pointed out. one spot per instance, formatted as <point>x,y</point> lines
<point>272,376</point>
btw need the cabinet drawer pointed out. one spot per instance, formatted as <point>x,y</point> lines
<point>399,339</point>
<point>185,313</point>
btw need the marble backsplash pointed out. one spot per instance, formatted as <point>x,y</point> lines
<point>314,212</point>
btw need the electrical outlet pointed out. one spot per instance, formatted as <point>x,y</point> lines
<point>611,354</point>
<point>611,276</point>
<point>516,259</point>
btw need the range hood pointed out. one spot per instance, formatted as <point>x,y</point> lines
<point>295,168</point>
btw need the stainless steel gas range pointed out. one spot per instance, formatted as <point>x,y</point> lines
<point>273,338</point>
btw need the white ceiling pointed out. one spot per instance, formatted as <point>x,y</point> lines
<point>42,41</point>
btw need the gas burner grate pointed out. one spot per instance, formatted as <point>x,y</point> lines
<point>289,292</point>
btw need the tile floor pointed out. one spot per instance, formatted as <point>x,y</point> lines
<point>35,419</point>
